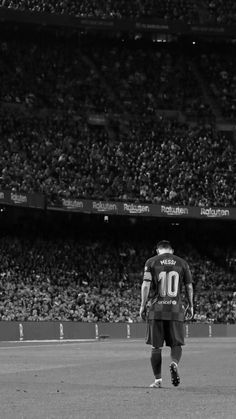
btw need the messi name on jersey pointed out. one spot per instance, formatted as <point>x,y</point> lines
<point>168,262</point>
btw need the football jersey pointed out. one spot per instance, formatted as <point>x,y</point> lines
<point>167,274</point>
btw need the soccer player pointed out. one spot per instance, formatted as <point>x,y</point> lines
<point>165,274</point>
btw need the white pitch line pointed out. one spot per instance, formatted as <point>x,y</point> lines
<point>57,342</point>
<point>50,340</point>
<point>20,344</point>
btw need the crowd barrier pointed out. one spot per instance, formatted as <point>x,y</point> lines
<point>125,208</point>
<point>61,331</point>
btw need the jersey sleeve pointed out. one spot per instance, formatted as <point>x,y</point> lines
<point>147,275</point>
<point>187,274</point>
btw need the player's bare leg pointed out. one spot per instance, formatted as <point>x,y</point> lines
<point>176,353</point>
<point>156,360</point>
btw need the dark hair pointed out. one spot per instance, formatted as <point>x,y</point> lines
<point>165,244</point>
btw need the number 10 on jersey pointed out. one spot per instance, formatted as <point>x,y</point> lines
<point>169,283</point>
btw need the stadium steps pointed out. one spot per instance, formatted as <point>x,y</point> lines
<point>107,87</point>
<point>119,121</point>
<point>205,92</point>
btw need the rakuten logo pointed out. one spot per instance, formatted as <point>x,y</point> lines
<point>214,212</point>
<point>174,210</point>
<point>136,209</point>
<point>104,206</point>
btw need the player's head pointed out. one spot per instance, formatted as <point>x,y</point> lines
<point>164,246</point>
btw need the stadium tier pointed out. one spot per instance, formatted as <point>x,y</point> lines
<point>98,280</point>
<point>65,158</point>
<point>51,91</point>
<point>205,11</point>
<point>171,9</point>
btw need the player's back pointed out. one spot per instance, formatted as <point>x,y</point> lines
<point>168,272</point>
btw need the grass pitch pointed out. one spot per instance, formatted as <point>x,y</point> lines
<point>110,380</point>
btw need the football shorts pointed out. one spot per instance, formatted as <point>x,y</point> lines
<point>168,331</point>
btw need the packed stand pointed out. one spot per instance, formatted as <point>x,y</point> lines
<point>215,308</point>
<point>44,74</point>
<point>162,162</point>
<point>63,280</point>
<point>90,281</point>
<point>138,79</point>
<point>162,9</point>
<point>222,12</point>
<point>190,11</point>
<point>145,78</point>
<point>51,87</point>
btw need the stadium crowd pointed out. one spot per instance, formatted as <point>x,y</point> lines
<point>168,10</point>
<point>87,77</point>
<point>44,74</point>
<point>48,145</point>
<point>214,11</point>
<point>49,91</point>
<point>89,281</point>
<point>146,79</point>
<point>92,78</point>
<point>64,158</point>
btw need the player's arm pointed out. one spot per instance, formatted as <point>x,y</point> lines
<point>145,292</point>
<point>189,292</point>
<point>145,289</point>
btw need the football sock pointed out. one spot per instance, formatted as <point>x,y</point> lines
<point>156,362</point>
<point>176,352</point>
